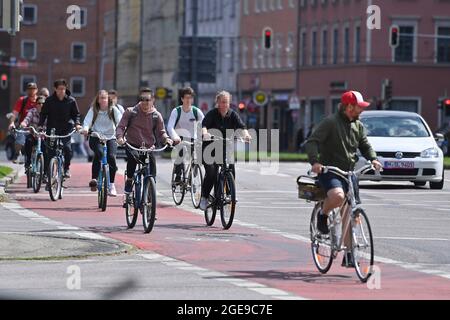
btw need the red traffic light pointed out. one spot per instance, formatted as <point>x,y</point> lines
<point>4,77</point>
<point>447,103</point>
<point>241,106</point>
<point>267,38</point>
<point>394,36</point>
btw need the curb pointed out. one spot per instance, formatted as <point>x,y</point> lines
<point>5,182</point>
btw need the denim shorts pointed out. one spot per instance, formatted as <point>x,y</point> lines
<point>329,181</point>
<point>20,139</point>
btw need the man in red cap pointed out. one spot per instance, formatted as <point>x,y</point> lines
<point>335,142</point>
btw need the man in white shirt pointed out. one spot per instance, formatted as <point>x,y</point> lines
<point>185,122</point>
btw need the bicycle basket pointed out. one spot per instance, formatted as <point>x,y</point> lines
<point>309,190</point>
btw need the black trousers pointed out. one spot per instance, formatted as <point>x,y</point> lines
<point>50,153</point>
<point>97,148</point>
<point>211,172</point>
<point>132,164</point>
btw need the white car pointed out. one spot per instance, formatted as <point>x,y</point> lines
<point>406,148</point>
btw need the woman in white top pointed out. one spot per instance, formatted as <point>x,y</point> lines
<point>102,118</point>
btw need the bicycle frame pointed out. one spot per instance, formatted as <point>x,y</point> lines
<point>104,161</point>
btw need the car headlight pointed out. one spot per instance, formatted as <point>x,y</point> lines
<point>430,153</point>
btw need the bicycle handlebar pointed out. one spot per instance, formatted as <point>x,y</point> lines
<point>146,150</point>
<point>101,136</point>
<point>60,137</point>
<point>358,172</point>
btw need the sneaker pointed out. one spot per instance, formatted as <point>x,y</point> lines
<point>67,174</point>
<point>128,186</point>
<point>347,262</point>
<point>93,185</point>
<point>113,191</point>
<point>203,203</point>
<point>322,223</point>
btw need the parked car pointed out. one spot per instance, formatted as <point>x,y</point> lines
<point>406,148</point>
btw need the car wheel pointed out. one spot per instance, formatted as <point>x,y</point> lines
<point>438,185</point>
<point>420,183</point>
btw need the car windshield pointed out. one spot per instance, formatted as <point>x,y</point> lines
<point>400,127</point>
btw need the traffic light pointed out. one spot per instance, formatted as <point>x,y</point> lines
<point>241,107</point>
<point>267,38</point>
<point>4,81</point>
<point>445,104</point>
<point>394,36</point>
<point>10,15</point>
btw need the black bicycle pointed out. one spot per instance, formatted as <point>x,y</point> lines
<point>190,177</point>
<point>224,195</point>
<point>143,196</point>
<point>56,165</point>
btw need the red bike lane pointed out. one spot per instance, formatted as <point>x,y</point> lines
<point>245,253</point>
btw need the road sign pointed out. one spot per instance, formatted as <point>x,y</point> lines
<point>260,98</point>
<point>294,103</point>
<point>161,93</point>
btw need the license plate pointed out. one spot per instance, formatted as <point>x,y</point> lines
<point>398,165</point>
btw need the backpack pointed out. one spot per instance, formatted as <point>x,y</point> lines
<point>179,109</point>
<point>113,118</point>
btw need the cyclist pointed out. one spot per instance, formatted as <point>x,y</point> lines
<point>185,121</point>
<point>61,113</point>
<point>32,120</point>
<point>221,118</point>
<point>115,98</point>
<point>20,111</point>
<point>335,142</point>
<point>142,126</point>
<point>103,118</point>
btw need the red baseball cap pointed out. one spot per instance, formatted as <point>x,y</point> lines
<point>354,98</point>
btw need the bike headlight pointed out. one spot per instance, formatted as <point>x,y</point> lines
<point>430,153</point>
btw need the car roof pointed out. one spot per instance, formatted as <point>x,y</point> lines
<point>389,113</point>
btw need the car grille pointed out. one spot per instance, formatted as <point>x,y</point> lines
<point>406,155</point>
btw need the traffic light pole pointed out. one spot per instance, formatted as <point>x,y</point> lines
<point>194,54</point>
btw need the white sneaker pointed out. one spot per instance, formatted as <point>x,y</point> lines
<point>203,204</point>
<point>113,191</point>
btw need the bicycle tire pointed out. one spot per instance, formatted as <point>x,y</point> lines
<point>196,189</point>
<point>29,177</point>
<point>178,192</point>
<point>227,200</point>
<point>321,247</point>
<point>54,179</point>
<point>131,212</point>
<point>148,206</point>
<point>210,212</point>
<point>38,174</point>
<point>362,237</point>
<point>103,192</point>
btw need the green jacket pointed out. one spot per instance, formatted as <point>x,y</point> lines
<point>335,143</point>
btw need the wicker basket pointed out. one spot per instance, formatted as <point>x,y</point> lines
<point>309,190</point>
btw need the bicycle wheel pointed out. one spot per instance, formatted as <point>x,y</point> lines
<point>178,189</point>
<point>38,173</point>
<point>54,180</point>
<point>103,190</point>
<point>321,246</point>
<point>29,177</point>
<point>362,245</point>
<point>196,185</point>
<point>149,205</point>
<point>131,211</point>
<point>228,200</point>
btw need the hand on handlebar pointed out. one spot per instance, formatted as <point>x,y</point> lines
<point>377,165</point>
<point>317,168</point>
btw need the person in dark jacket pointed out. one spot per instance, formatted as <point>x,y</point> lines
<point>61,113</point>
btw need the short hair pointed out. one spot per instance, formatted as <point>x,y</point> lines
<point>223,94</point>
<point>60,82</point>
<point>112,91</point>
<point>187,91</point>
<point>146,90</point>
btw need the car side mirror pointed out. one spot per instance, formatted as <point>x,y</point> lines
<point>439,137</point>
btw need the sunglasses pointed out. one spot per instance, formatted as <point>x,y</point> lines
<point>144,99</point>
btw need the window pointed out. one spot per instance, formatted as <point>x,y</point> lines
<point>278,50</point>
<point>83,17</point>
<point>245,4</point>
<point>79,52</point>
<point>219,56</point>
<point>347,45</point>
<point>314,48</point>
<point>24,80</point>
<point>335,46</point>
<point>303,49</point>
<point>29,14</point>
<point>244,64</point>
<point>318,111</point>
<point>255,53</point>
<point>29,49</point>
<point>232,56</point>
<point>78,86</point>
<point>290,50</point>
<point>324,47</point>
<point>405,50</point>
<point>357,44</point>
<point>443,45</point>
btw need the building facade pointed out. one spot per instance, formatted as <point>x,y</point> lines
<point>338,51</point>
<point>48,48</point>
<point>219,19</point>
<point>271,71</point>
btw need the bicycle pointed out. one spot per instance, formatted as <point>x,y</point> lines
<point>224,197</point>
<point>104,182</point>
<point>35,172</point>
<point>325,248</point>
<point>25,132</point>
<point>56,165</point>
<point>143,196</point>
<point>190,182</point>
